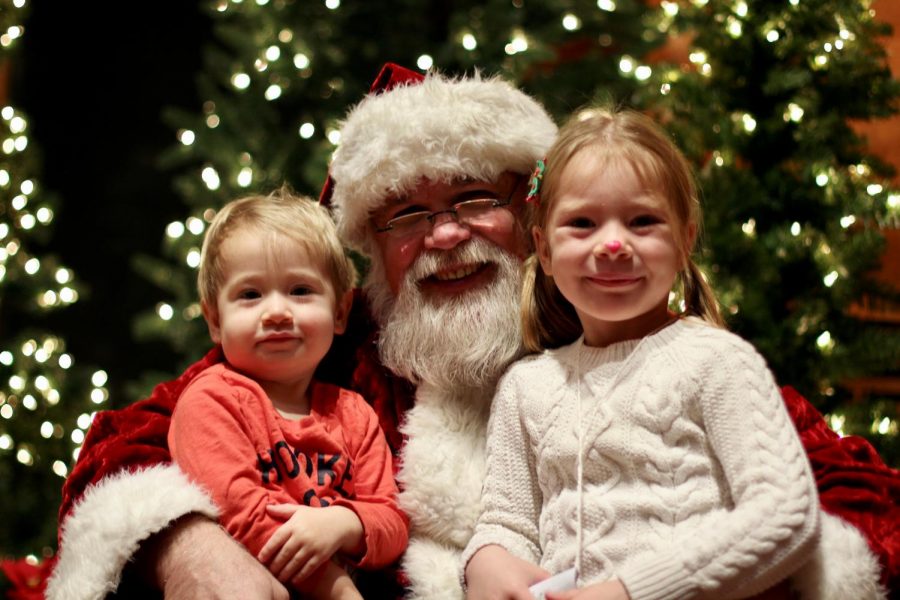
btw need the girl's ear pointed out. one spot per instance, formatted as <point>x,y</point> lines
<point>342,312</point>
<point>211,315</point>
<point>542,249</point>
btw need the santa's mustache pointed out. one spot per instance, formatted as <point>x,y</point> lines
<point>433,262</point>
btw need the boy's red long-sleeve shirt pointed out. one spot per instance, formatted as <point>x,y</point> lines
<point>226,435</point>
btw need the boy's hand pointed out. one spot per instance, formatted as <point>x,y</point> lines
<point>495,574</point>
<point>308,538</point>
<point>607,590</point>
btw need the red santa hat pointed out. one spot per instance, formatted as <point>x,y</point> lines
<point>412,126</point>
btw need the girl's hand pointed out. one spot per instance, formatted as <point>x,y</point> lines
<point>495,574</point>
<point>308,538</point>
<point>608,590</point>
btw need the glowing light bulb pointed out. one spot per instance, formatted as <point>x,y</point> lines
<point>425,62</point>
<point>571,22</point>
<point>193,258</point>
<point>273,92</point>
<point>175,230</point>
<point>749,228</point>
<point>165,311</point>
<point>211,178</point>
<point>240,80</point>
<point>245,177</point>
<point>99,378</point>
<point>59,468</point>
<point>195,225</point>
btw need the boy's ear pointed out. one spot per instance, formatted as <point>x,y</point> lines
<point>542,250</point>
<point>211,315</point>
<point>342,312</point>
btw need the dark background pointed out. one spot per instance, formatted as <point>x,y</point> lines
<point>94,78</point>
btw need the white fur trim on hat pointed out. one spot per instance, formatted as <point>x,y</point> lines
<point>439,129</point>
<point>107,526</point>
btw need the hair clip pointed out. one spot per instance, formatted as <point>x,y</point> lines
<point>534,191</point>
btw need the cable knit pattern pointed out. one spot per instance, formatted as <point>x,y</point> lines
<point>695,481</point>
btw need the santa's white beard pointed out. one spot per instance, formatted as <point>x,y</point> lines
<point>455,343</point>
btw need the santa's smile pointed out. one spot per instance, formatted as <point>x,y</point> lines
<point>458,278</point>
<point>457,272</point>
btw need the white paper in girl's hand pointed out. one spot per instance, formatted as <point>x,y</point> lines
<point>558,583</point>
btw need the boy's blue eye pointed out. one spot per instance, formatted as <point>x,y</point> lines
<point>301,290</point>
<point>248,295</point>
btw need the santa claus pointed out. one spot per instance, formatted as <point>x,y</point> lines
<point>428,182</point>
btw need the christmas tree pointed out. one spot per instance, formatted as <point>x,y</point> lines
<point>761,104</point>
<point>46,398</point>
<point>794,202</point>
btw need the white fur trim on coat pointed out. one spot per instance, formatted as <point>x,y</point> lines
<point>843,566</point>
<point>439,129</point>
<point>437,567</point>
<point>441,474</point>
<point>106,527</point>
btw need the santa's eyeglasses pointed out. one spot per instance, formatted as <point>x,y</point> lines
<point>477,211</point>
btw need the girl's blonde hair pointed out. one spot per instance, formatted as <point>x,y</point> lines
<point>548,319</point>
<point>281,212</point>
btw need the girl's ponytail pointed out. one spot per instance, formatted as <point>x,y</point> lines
<point>699,298</point>
<point>548,319</point>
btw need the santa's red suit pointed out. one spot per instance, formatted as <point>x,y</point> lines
<point>124,487</point>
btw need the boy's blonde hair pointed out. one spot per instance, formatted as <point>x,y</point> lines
<point>298,218</point>
<point>548,319</point>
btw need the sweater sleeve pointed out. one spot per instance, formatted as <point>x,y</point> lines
<point>773,525</point>
<point>511,495</point>
<point>385,526</point>
<point>209,440</point>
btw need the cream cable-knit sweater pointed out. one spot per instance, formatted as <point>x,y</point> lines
<point>695,481</point>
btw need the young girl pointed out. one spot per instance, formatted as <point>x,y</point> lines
<point>651,451</point>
